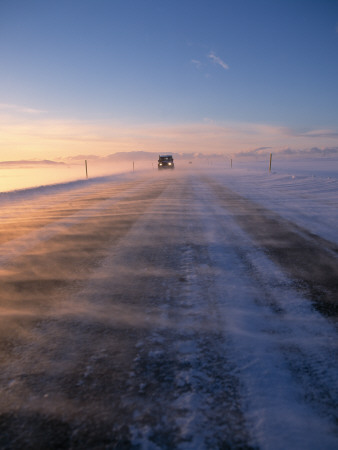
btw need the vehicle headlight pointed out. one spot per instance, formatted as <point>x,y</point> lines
<point>169,164</point>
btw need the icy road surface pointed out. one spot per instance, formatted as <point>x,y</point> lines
<point>167,311</point>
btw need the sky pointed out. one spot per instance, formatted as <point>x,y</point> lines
<point>210,76</point>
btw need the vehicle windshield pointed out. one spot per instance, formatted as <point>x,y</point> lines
<point>166,158</point>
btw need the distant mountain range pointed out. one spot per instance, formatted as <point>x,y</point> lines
<point>261,152</point>
<point>25,162</point>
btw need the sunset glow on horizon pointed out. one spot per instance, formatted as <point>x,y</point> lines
<point>57,139</point>
<point>223,77</point>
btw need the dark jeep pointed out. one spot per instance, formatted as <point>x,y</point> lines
<point>165,162</point>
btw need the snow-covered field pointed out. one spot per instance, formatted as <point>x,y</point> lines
<point>172,310</point>
<point>303,191</point>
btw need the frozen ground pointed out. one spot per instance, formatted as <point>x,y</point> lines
<point>304,191</point>
<point>188,310</point>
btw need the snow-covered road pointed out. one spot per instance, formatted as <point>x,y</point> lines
<point>167,310</point>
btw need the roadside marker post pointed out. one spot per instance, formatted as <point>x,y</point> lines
<point>270,162</point>
<point>86,168</point>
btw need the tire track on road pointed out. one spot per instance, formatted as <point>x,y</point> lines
<point>184,392</point>
<point>310,260</point>
<point>70,376</point>
<point>57,260</point>
<point>30,221</point>
<point>286,352</point>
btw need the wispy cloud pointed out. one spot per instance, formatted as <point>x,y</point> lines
<point>19,109</point>
<point>317,133</point>
<point>218,60</point>
<point>196,63</point>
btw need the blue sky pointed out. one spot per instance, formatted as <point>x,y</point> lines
<point>123,73</point>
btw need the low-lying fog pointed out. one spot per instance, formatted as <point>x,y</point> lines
<point>27,176</point>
